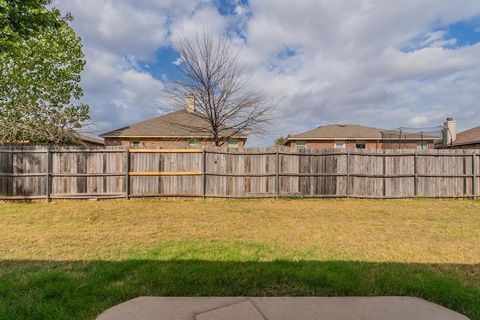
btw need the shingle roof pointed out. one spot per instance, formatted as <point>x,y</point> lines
<point>353,131</point>
<point>89,139</point>
<point>471,136</point>
<point>177,124</point>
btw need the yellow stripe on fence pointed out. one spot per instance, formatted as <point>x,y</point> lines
<point>165,173</point>
<point>165,150</point>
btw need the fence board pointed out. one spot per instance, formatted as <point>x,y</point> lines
<point>26,161</point>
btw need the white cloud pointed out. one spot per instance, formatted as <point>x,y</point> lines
<point>178,61</point>
<point>418,121</point>
<point>116,34</point>
<point>352,68</point>
<point>437,39</point>
<point>348,64</point>
<point>117,92</point>
<point>118,26</point>
<point>204,18</point>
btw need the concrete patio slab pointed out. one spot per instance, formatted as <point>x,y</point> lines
<point>305,308</point>
<point>360,308</point>
<point>238,311</point>
<point>171,308</point>
<point>279,308</point>
<point>385,308</point>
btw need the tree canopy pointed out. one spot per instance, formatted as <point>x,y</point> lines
<point>281,140</point>
<point>41,60</point>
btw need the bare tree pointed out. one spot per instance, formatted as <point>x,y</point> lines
<point>210,74</point>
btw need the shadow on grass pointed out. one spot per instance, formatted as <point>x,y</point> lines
<point>83,289</point>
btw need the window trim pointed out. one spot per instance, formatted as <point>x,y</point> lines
<point>342,142</point>
<point>301,145</point>
<point>422,145</point>
<point>233,143</point>
<point>361,142</point>
<point>193,143</point>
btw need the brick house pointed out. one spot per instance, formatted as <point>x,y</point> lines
<point>183,128</point>
<point>350,136</point>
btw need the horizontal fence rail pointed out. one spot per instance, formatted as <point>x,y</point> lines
<point>164,173</point>
<point>42,172</point>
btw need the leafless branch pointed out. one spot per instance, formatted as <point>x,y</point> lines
<point>210,73</point>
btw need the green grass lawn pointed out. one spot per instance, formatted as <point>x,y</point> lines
<point>73,259</point>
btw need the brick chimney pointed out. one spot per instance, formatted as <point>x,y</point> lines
<point>450,131</point>
<point>190,103</point>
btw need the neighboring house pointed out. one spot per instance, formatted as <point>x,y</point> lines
<point>469,139</point>
<point>350,136</point>
<point>89,141</point>
<point>181,128</point>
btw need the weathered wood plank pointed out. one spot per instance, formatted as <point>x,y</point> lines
<point>251,173</point>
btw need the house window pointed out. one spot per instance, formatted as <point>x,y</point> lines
<point>360,145</point>
<point>135,144</point>
<point>232,143</point>
<point>422,145</point>
<point>301,145</point>
<point>339,144</point>
<point>193,143</point>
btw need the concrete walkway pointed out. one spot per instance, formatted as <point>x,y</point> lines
<point>284,308</point>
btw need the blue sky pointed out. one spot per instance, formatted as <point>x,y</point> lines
<point>409,63</point>
<point>466,32</point>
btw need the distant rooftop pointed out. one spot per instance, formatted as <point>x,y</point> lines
<point>89,139</point>
<point>356,132</point>
<point>471,136</point>
<point>177,124</point>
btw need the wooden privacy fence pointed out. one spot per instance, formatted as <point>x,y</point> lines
<point>113,172</point>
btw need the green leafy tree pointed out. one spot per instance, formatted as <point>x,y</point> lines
<point>40,64</point>
<point>281,140</point>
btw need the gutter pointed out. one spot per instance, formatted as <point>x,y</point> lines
<point>466,143</point>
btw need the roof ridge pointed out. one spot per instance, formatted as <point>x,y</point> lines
<point>474,128</point>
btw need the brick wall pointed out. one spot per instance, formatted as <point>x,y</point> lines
<point>351,144</point>
<point>331,144</point>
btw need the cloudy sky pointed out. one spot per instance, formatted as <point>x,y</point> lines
<point>390,64</point>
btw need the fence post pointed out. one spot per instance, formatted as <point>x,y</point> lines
<point>384,174</point>
<point>277,176</point>
<point>204,174</point>
<point>474,171</point>
<point>415,175</point>
<point>127,174</point>
<point>47,175</point>
<point>347,187</point>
